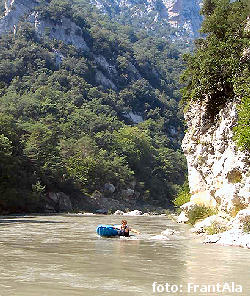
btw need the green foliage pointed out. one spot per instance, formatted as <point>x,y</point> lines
<point>133,143</point>
<point>208,7</point>
<point>16,175</point>
<point>242,130</point>
<point>5,147</point>
<point>56,10</point>
<point>215,228</point>
<point>217,64</point>
<point>246,225</point>
<point>199,212</point>
<point>183,195</point>
<point>60,130</point>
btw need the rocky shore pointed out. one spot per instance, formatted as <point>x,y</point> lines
<point>221,228</point>
<point>98,203</point>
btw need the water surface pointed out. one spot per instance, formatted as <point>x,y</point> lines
<point>62,255</point>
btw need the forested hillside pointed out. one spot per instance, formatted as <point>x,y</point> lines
<point>64,128</point>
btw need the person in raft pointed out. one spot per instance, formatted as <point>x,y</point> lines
<point>124,229</point>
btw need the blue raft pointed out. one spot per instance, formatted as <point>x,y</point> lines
<point>106,230</point>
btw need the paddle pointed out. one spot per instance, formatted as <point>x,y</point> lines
<point>135,231</point>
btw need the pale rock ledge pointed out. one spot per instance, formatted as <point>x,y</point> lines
<point>218,172</point>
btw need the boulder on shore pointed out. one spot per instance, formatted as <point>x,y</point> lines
<point>118,213</point>
<point>109,188</point>
<point>102,211</point>
<point>242,217</point>
<point>64,202</point>
<point>134,213</point>
<point>169,232</point>
<point>182,218</point>
<point>188,206</point>
<point>57,202</point>
<point>200,227</point>
<point>128,193</point>
<point>233,237</point>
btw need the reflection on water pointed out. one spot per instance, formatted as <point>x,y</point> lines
<point>62,255</point>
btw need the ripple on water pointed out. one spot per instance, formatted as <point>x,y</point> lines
<point>62,255</point>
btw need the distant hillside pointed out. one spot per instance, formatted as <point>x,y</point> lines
<point>171,19</point>
<point>85,103</point>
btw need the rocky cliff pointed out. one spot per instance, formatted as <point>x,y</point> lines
<point>66,30</point>
<point>182,16</point>
<point>218,170</point>
<point>219,176</point>
<point>14,11</point>
<point>219,173</point>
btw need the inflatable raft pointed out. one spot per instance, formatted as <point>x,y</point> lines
<point>106,230</point>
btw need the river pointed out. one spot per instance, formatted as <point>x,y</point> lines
<point>62,255</point>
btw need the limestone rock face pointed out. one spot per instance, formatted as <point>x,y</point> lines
<point>218,171</point>
<point>14,11</point>
<point>65,30</point>
<point>182,15</point>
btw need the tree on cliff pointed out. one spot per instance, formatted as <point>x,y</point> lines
<point>216,65</point>
<point>219,69</point>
